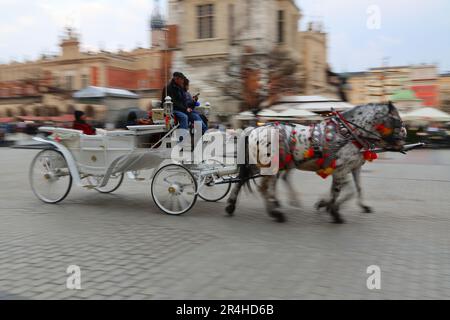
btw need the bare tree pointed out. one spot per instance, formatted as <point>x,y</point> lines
<point>256,78</point>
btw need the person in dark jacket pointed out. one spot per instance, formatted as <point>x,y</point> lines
<point>175,90</point>
<point>81,124</point>
<point>191,103</point>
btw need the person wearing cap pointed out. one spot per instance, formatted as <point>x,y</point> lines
<point>81,124</point>
<point>175,90</point>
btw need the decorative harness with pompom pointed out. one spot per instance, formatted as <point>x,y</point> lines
<point>325,144</point>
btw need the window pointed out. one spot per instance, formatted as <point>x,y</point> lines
<point>280,26</point>
<point>69,82</point>
<point>205,20</point>
<point>84,81</point>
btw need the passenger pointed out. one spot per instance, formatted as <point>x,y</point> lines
<point>132,119</point>
<point>191,103</point>
<point>81,124</point>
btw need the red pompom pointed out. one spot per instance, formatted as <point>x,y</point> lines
<point>333,164</point>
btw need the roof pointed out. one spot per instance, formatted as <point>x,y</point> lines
<point>427,114</point>
<point>305,99</point>
<point>102,92</point>
<point>315,106</point>
<point>390,68</point>
<point>353,74</point>
<point>404,95</point>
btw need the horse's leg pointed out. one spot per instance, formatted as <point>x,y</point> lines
<point>333,206</point>
<point>357,179</point>
<point>231,208</point>
<point>245,173</point>
<point>268,191</point>
<point>293,199</point>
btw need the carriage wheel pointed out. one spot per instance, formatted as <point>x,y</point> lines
<point>114,183</point>
<point>174,189</point>
<point>50,177</point>
<point>214,189</point>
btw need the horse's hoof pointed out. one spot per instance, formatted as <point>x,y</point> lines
<point>230,210</point>
<point>338,221</point>
<point>295,204</point>
<point>321,204</point>
<point>367,209</point>
<point>278,216</point>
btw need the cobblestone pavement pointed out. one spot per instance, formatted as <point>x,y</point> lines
<point>127,249</point>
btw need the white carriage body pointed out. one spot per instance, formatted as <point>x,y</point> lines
<point>100,161</point>
<point>109,152</point>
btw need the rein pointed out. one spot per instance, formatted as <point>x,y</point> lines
<point>348,125</point>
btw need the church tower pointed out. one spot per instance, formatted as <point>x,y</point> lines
<point>157,27</point>
<point>70,44</point>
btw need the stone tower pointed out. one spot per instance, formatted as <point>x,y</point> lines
<point>157,28</point>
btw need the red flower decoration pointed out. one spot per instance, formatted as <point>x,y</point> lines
<point>289,158</point>
<point>320,162</point>
<point>309,153</point>
<point>385,131</point>
<point>370,156</point>
<point>333,164</point>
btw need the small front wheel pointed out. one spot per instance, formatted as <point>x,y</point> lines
<point>174,189</point>
<point>214,189</point>
<point>50,177</point>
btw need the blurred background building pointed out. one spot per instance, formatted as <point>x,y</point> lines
<point>213,37</point>
<point>409,87</point>
<point>444,91</point>
<point>199,39</point>
<point>45,87</point>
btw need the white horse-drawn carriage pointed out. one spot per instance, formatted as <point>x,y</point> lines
<point>102,161</point>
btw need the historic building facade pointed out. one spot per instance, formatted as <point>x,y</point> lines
<point>211,32</point>
<point>45,86</point>
<point>444,91</point>
<point>411,83</point>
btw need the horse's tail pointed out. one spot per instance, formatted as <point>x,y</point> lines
<point>246,174</point>
<point>247,170</point>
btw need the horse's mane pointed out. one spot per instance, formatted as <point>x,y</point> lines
<point>365,106</point>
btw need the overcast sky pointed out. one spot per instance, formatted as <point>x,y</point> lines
<point>408,31</point>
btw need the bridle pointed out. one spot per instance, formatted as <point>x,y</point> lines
<point>363,141</point>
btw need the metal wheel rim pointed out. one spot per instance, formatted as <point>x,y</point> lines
<point>174,189</point>
<point>212,192</point>
<point>50,177</point>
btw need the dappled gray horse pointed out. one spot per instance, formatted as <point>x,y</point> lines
<point>334,147</point>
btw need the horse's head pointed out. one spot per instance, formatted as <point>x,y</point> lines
<point>382,125</point>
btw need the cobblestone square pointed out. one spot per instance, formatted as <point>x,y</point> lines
<point>127,249</point>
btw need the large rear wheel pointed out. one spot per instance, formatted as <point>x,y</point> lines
<point>174,189</point>
<point>50,177</point>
